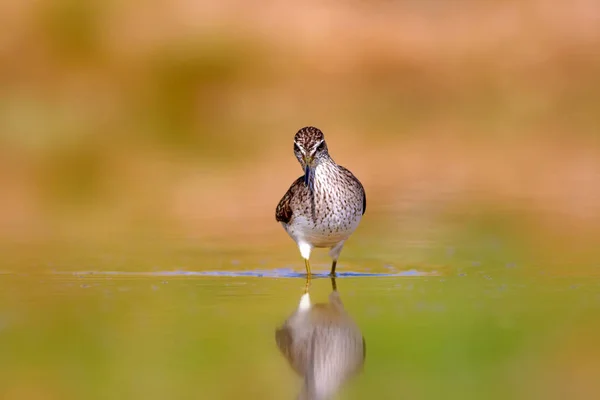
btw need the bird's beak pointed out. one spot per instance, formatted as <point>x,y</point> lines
<point>309,174</point>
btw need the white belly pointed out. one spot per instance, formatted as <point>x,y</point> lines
<point>325,233</point>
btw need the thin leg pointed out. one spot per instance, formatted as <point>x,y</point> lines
<point>307,285</point>
<point>308,273</point>
<point>335,254</point>
<point>332,273</point>
<point>305,250</point>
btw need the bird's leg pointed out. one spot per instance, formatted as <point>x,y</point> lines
<point>307,264</point>
<point>332,273</point>
<point>308,274</point>
<point>305,250</point>
<point>335,254</point>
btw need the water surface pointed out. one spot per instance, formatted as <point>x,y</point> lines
<point>468,333</point>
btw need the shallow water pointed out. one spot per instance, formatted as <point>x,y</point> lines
<point>496,333</point>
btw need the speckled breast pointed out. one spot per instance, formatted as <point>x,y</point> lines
<point>334,215</point>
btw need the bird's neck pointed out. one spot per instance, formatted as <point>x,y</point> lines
<point>324,164</point>
<point>324,171</point>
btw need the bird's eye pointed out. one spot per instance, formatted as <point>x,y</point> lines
<point>321,146</point>
<point>296,148</point>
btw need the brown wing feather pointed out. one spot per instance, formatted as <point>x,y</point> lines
<point>283,212</point>
<point>364,202</point>
<point>355,179</point>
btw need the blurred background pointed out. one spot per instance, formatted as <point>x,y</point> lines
<point>137,119</point>
<point>130,129</point>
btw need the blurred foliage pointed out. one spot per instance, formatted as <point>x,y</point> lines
<point>187,82</point>
<point>72,28</point>
<point>129,120</point>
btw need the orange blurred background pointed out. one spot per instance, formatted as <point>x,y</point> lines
<point>175,119</point>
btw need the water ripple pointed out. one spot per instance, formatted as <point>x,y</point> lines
<point>267,273</point>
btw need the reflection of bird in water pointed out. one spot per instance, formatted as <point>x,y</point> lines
<point>323,345</point>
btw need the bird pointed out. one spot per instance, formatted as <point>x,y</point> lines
<point>323,345</point>
<point>322,208</point>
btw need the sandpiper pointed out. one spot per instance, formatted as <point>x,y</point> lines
<point>322,208</point>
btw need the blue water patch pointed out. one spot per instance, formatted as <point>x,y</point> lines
<point>267,273</point>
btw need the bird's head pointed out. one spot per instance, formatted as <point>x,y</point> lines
<point>310,149</point>
<point>310,146</point>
